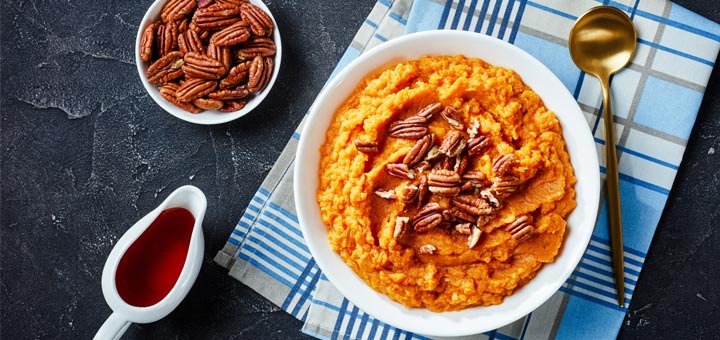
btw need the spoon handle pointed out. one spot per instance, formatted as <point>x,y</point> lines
<point>613,195</point>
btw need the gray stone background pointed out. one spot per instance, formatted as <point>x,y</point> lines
<point>85,153</point>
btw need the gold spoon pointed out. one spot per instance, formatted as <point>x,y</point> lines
<point>602,42</point>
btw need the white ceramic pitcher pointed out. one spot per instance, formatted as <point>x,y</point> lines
<point>188,197</point>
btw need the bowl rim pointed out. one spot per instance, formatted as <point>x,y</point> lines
<point>581,221</point>
<point>207,117</point>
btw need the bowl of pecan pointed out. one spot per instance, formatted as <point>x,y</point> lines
<point>449,183</point>
<point>208,61</point>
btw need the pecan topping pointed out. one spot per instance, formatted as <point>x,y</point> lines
<point>410,128</point>
<point>422,166</point>
<point>505,185</point>
<point>453,144</point>
<point>205,3</point>
<point>474,178</point>
<point>461,163</point>
<point>401,227</point>
<point>168,92</point>
<point>430,110</point>
<point>260,22</point>
<point>147,42</point>
<point>216,17</point>
<point>472,205</point>
<point>422,190</point>
<point>474,237</point>
<point>227,94</point>
<point>189,41</point>
<point>233,105</point>
<point>454,214</point>
<point>400,170</point>
<point>490,198</point>
<point>166,38</point>
<point>428,217</point>
<point>477,144</point>
<point>237,75</point>
<point>444,182</point>
<point>427,249</point>
<point>166,68</point>
<point>502,164</point>
<point>464,228</point>
<point>474,128</point>
<point>194,88</point>
<point>483,220</point>
<point>451,116</point>
<point>386,194</point>
<point>232,35</point>
<point>409,194</point>
<point>417,152</point>
<point>254,47</point>
<point>433,154</point>
<point>176,10</point>
<point>520,228</point>
<point>208,104</point>
<point>366,147</point>
<point>203,66</point>
<point>182,25</point>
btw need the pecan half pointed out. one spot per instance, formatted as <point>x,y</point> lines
<point>166,68</point>
<point>232,35</point>
<point>411,128</point>
<point>430,110</point>
<point>195,88</point>
<point>260,73</point>
<point>472,179</point>
<point>461,163</point>
<point>400,170</point>
<point>216,17</point>
<point>203,34</point>
<point>189,41</point>
<point>472,205</point>
<point>202,66</point>
<point>222,54</point>
<point>520,228</point>
<point>366,147</point>
<point>434,154</point>
<point>182,25</point>
<point>452,117</point>
<point>502,164</point>
<point>428,217</point>
<point>147,42</point>
<point>423,191</point>
<point>455,214</point>
<point>422,166</point>
<point>260,22</point>
<point>168,92</point>
<point>237,75</point>
<point>505,185</point>
<point>166,38</point>
<point>464,228</point>
<point>477,144</point>
<point>417,152</point>
<point>490,198</point>
<point>427,249</point>
<point>230,94</point>
<point>386,194</point>
<point>474,237</point>
<point>233,105</point>
<point>444,182</point>
<point>177,9</point>
<point>208,104</point>
<point>205,3</point>
<point>254,47</point>
<point>484,219</point>
<point>401,227</point>
<point>453,144</point>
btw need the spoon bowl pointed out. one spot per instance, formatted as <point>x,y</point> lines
<point>601,43</point>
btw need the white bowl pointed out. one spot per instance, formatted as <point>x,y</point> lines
<point>580,145</point>
<point>207,117</point>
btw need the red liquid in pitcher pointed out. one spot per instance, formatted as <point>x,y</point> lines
<point>150,267</point>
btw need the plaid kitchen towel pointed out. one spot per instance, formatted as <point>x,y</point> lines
<point>656,100</point>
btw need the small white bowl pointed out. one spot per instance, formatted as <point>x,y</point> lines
<point>207,117</point>
<point>580,145</point>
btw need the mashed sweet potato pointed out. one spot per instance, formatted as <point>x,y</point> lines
<point>475,210</point>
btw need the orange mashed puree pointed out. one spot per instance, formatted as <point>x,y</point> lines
<point>361,224</point>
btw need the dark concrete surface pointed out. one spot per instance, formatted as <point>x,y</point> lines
<point>85,152</point>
